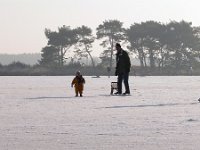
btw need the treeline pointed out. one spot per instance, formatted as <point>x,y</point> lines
<point>173,46</point>
<point>21,69</point>
<point>26,58</point>
<point>162,48</point>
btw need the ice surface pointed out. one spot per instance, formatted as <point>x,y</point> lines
<point>41,113</point>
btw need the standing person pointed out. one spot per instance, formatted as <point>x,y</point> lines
<point>123,65</point>
<point>78,82</point>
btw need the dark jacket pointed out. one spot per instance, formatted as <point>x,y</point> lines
<point>123,63</point>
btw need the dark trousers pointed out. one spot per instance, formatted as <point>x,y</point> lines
<point>123,77</point>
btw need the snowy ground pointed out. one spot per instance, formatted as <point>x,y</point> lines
<point>41,113</point>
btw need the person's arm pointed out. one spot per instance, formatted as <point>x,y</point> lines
<point>128,62</point>
<point>73,82</point>
<point>116,68</point>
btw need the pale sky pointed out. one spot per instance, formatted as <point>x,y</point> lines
<point>23,21</point>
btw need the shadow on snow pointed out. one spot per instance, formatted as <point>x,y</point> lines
<point>53,97</point>
<point>156,105</point>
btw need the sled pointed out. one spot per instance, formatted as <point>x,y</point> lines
<point>113,87</point>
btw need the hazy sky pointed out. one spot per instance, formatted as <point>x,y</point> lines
<point>23,21</point>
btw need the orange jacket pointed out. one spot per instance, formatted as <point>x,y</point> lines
<point>78,82</point>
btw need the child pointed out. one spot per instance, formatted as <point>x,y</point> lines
<point>78,82</point>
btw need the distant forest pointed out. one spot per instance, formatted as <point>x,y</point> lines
<point>161,49</point>
<point>29,59</point>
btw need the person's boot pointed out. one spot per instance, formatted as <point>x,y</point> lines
<point>76,95</point>
<point>126,93</point>
<point>117,93</point>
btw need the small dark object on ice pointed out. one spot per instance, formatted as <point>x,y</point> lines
<point>199,99</point>
<point>97,76</point>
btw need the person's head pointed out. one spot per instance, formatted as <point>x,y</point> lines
<point>118,47</point>
<point>78,73</point>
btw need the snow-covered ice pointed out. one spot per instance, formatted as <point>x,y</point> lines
<point>41,113</point>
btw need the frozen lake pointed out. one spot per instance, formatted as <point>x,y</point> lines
<point>41,113</point>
